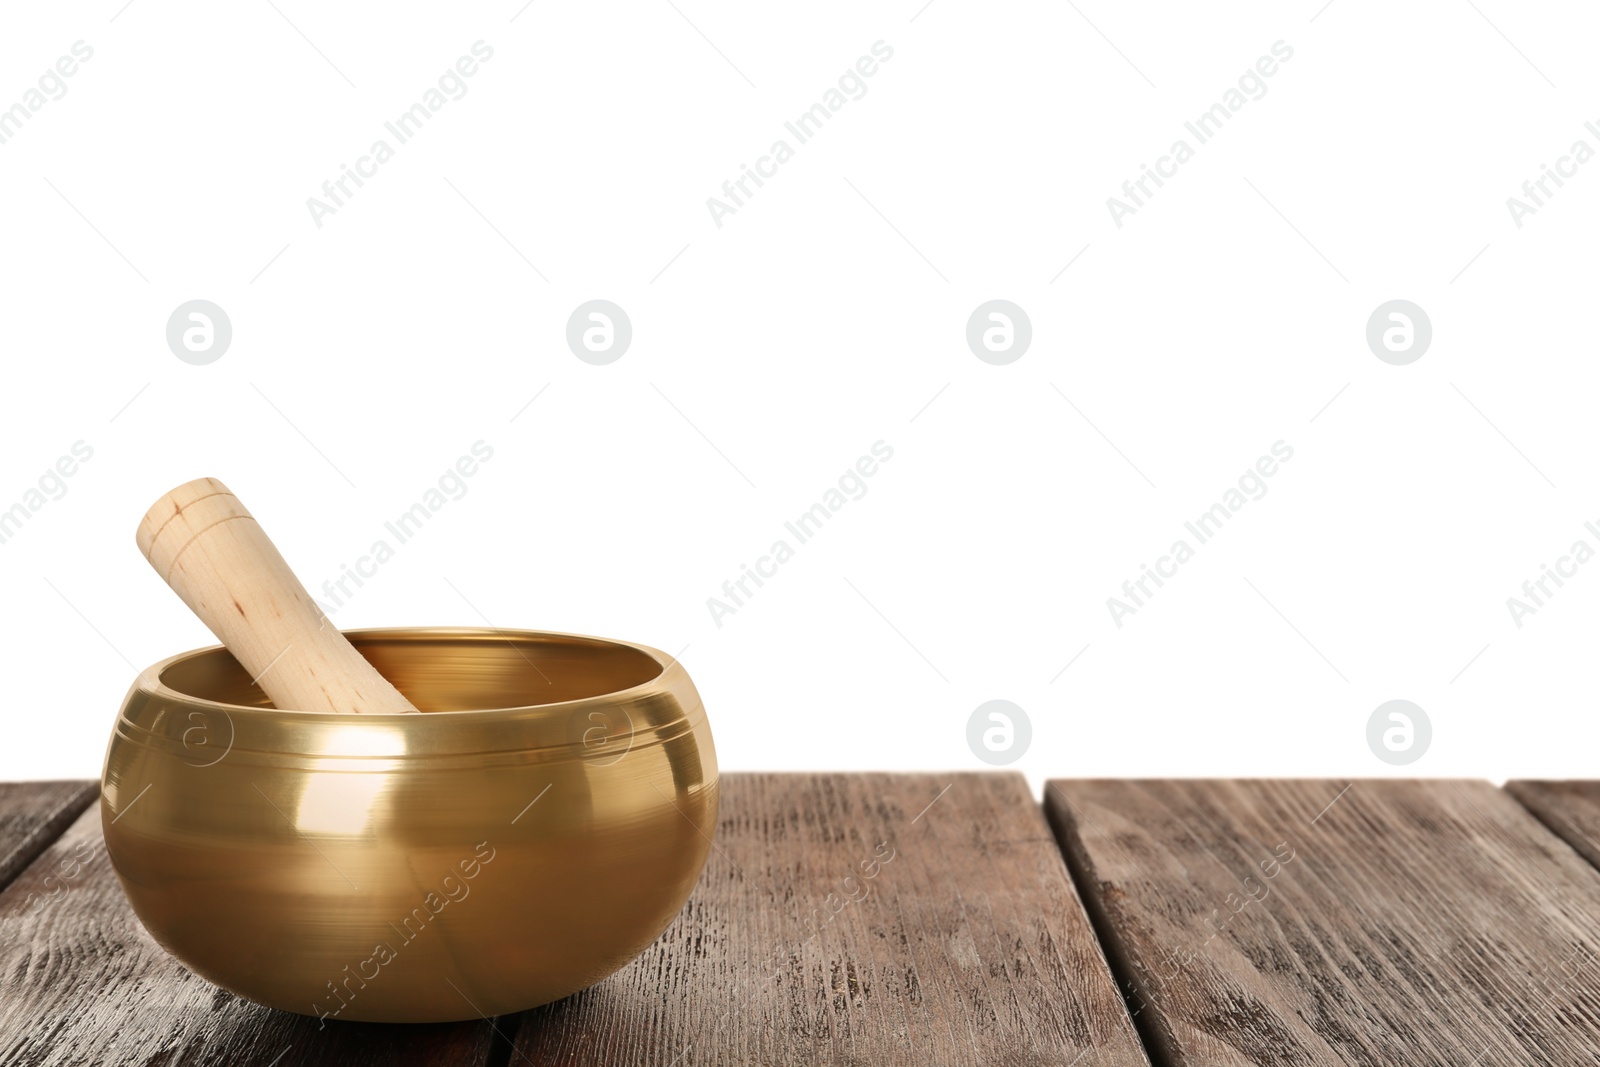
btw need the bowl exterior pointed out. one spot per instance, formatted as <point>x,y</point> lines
<point>414,868</point>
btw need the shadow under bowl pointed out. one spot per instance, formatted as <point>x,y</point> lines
<point>535,829</point>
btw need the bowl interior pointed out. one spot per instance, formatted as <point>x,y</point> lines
<point>445,670</point>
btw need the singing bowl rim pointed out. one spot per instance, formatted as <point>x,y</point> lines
<point>150,681</point>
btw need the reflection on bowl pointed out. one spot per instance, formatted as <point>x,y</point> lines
<point>415,868</point>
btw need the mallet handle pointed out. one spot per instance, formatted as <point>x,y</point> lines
<point>205,544</point>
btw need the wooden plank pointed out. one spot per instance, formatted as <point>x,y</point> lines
<point>81,982</point>
<point>1570,809</point>
<point>861,919</point>
<point>33,814</point>
<point>1377,923</point>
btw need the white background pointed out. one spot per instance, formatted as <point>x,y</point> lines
<point>827,314</point>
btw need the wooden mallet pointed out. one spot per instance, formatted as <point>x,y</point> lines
<point>205,544</point>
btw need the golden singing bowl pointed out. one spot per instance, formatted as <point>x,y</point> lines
<point>457,864</point>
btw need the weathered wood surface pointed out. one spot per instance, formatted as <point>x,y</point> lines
<point>1375,923</point>
<point>1570,809</point>
<point>82,983</point>
<point>33,814</point>
<point>929,920</point>
<point>866,919</point>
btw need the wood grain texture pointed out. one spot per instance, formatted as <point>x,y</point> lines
<point>844,920</point>
<point>82,983</point>
<point>1388,923</point>
<point>1570,809</point>
<point>33,814</point>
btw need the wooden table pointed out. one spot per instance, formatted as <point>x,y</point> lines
<point>865,919</point>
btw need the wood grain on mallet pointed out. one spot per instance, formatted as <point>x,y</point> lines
<point>208,547</point>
